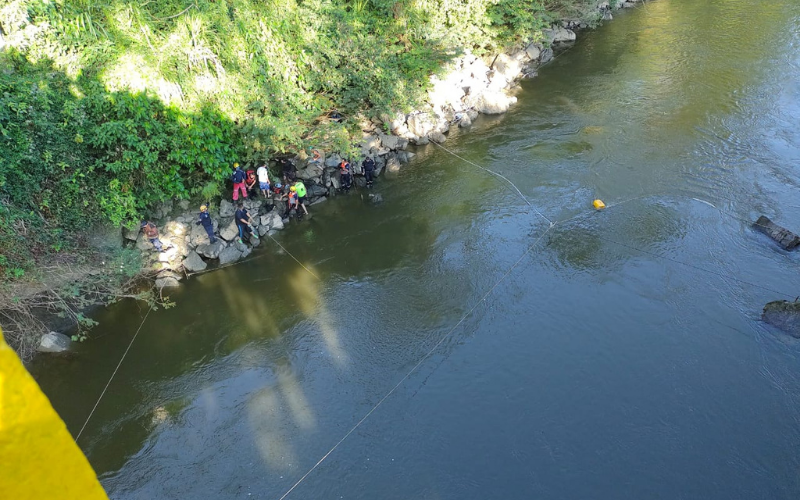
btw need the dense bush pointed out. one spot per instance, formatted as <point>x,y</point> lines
<point>106,108</point>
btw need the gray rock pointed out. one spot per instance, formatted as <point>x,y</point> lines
<point>239,246</point>
<point>315,190</point>
<point>143,243</point>
<point>547,55</point>
<point>333,160</point>
<point>493,103</point>
<point>435,136</point>
<point>558,34</point>
<point>265,219</point>
<point>785,238</point>
<point>393,164</point>
<point>54,342</point>
<point>212,250</point>
<point>193,263</point>
<point>465,121</point>
<point>169,273</point>
<point>277,222</point>
<point>246,252</point>
<point>254,242</point>
<point>419,124</point>
<point>230,232</point>
<point>263,230</point>
<point>229,255</point>
<point>392,141</point>
<point>533,51</point>
<point>360,181</point>
<point>226,209</point>
<point>173,229</point>
<point>376,198</point>
<point>472,114</point>
<point>129,233</point>
<point>784,315</point>
<point>198,235</point>
<point>168,282</point>
<point>184,204</point>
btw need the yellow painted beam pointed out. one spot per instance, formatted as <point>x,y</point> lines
<point>38,457</point>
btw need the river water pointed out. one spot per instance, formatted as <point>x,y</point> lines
<point>622,357</point>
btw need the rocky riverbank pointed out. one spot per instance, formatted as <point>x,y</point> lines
<point>470,86</point>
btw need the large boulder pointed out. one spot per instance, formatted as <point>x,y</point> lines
<point>507,67</point>
<point>229,255</point>
<point>193,263</point>
<point>277,221</point>
<point>534,50</point>
<point>54,342</point>
<point>229,232</point>
<point>420,124</point>
<point>198,235</point>
<point>143,243</point>
<point>785,238</point>
<point>493,103</point>
<point>226,209</point>
<point>175,230</point>
<point>211,250</point>
<point>393,164</point>
<point>784,315</point>
<point>393,142</point>
<point>131,233</point>
<point>559,34</point>
<point>315,190</point>
<point>167,282</point>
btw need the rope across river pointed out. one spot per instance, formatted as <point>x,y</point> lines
<point>551,225</point>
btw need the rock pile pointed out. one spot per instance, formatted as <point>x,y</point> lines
<point>187,245</point>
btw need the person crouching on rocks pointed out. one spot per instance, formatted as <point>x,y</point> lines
<point>243,222</point>
<point>369,169</point>
<point>208,224</point>
<point>151,233</point>
<point>346,175</point>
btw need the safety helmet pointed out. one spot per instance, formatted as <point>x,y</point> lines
<point>293,189</point>
<point>235,165</point>
<point>203,208</point>
<point>279,185</point>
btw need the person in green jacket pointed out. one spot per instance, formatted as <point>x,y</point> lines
<point>301,195</point>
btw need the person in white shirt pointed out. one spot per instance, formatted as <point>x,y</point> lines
<point>263,180</point>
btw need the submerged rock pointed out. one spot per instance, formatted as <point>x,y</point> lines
<point>785,238</point>
<point>784,315</point>
<point>167,282</point>
<point>54,342</point>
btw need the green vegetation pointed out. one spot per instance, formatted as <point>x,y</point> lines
<point>106,108</point>
<point>109,107</point>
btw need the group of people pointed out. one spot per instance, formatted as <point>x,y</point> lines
<point>251,183</point>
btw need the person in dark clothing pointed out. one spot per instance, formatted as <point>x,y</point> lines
<point>346,175</point>
<point>289,171</point>
<point>250,183</point>
<point>208,224</point>
<point>243,222</point>
<point>151,233</point>
<point>369,169</point>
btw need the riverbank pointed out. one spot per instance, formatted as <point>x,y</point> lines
<point>470,85</point>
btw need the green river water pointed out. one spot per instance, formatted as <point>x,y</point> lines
<point>623,356</point>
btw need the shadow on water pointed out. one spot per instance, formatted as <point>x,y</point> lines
<point>593,370</point>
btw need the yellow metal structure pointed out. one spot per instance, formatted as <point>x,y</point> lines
<point>39,460</point>
<point>598,204</point>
